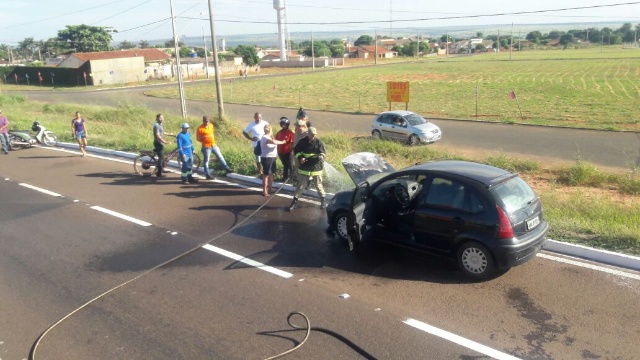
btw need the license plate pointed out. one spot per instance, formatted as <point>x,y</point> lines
<point>533,223</point>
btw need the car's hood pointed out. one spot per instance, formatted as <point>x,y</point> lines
<point>426,128</point>
<point>366,166</point>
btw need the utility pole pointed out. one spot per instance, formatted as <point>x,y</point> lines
<point>313,54</point>
<point>511,42</point>
<point>375,47</point>
<point>206,61</point>
<point>215,63</point>
<point>179,70</point>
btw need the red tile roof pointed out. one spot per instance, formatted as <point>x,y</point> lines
<point>148,54</point>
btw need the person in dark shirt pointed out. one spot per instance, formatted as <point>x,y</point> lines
<point>310,153</point>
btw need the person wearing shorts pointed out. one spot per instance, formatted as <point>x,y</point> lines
<point>79,132</point>
<point>269,147</point>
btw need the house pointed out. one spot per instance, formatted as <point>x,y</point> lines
<point>116,67</point>
<point>369,51</point>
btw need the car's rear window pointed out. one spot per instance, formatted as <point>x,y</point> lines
<point>514,194</point>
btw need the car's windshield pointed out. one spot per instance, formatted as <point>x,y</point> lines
<point>415,119</point>
<point>514,194</point>
<point>366,167</point>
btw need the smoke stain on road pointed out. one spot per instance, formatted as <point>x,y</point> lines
<point>544,329</point>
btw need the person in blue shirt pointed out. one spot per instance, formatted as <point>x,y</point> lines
<point>185,150</point>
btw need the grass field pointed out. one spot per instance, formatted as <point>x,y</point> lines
<point>592,88</point>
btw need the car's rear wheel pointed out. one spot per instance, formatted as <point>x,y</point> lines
<point>476,261</point>
<point>414,139</point>
<point>376,134</point>
<point>340,225</point>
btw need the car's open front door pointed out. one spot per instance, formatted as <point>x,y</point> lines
<point>356,221</point>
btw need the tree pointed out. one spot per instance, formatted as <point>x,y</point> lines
<point>171,43</point>
<point>144,44</point>
<point>479,35</point>
<point>534,36</point>
<point>86,38</point>
<point>555,34</point>
<point>364,40</point>
<point>566,39</point>
<point>126,45</point>
<point>4,51</point>
<point>28,47</point>
<point>248,53</point>
<point>52,46</point>
<point>337,50</point>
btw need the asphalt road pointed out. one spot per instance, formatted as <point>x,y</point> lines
<point>616,151</point>
<point>230,300</point>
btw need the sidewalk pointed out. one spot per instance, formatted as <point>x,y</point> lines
<point>577,251</point>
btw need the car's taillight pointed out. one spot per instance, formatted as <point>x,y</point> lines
<point>506,230</point>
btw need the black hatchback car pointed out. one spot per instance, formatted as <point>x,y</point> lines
<point>485,217</point>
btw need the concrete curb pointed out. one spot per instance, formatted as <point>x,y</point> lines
<point>577,251</point>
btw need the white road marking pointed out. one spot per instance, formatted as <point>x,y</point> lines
<point>248,261</point>
<point>40,190</point>
<point>591,266</point>
<point>459,340</point>
<point>121,216</point>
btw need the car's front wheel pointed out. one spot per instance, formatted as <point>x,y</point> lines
<point>340,225</point>
<point>476,261</point>
<point>376,134</point>
<point>414,139</point>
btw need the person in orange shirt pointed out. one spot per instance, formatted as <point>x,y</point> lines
<point>205,135</point>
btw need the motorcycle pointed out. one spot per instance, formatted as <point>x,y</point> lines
<point>21,139</point>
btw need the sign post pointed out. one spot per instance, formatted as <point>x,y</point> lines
<point>398,91</point>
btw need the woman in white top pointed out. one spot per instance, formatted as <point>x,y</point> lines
<point>269,147</point>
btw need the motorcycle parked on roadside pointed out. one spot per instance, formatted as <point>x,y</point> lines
<point>21,139</point>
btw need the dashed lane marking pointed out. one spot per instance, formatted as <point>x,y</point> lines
<point>459,340</point>
<point>121,216</point>
<point>248,261</point>
<point>44,191</point>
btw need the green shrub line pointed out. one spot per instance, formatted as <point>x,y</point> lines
<point>575,216</point>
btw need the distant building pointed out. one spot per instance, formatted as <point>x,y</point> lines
<point>116,67</point>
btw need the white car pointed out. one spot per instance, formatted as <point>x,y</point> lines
<point>405,126</point>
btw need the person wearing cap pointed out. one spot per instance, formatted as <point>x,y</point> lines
<point>4,133</point>
<point>285,150</point>
<point>205,135</point>
<point>158,143</point>
<point>254,132</point>
<point>310,153</point>
<point>185,151</point>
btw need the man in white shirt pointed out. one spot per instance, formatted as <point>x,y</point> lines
<point>254,132</point>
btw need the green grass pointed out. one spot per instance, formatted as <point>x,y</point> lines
<point>590,88</point>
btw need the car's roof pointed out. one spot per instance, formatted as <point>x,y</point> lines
<point>485,174</point>
<point>397,112</point>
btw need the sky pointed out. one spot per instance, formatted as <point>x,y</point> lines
<point>137,20</point>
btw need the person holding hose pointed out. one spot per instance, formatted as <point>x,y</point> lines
<point>310,153</point>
